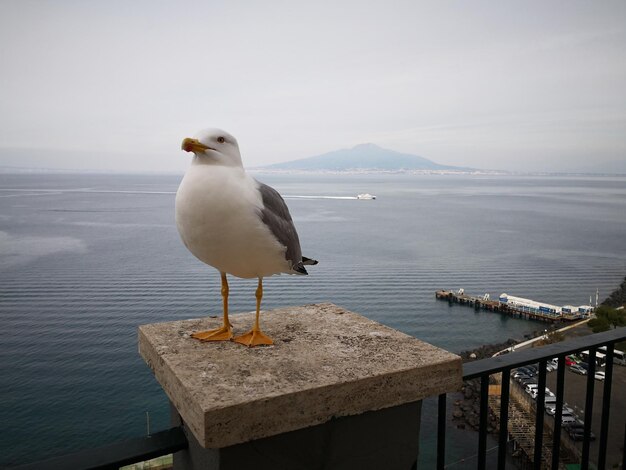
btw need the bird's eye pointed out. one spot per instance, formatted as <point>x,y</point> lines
<point>221,140</point>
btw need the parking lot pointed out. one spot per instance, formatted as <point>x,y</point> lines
<point>575,393</point>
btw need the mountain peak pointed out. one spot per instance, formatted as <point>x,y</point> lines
<point>366,146</point>
<point>366,156</point>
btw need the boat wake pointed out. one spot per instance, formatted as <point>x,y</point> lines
<point>19,191</point>
<point>318,197</point>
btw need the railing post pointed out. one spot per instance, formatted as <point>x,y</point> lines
<point>556,442</point>
<point>504,418</point>
<point>606,406</point>
<point>584,464</point>
<point>624,447</point>
<point>441,432</point>
<point>484,413</point>
<point>541,393</point>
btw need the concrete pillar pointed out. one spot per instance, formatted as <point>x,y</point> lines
<point>335,391</point>
<point>384,439</point>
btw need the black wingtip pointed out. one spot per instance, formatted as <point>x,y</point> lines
<point>299,268</point>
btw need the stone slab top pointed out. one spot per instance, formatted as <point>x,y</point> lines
<point>325,362</point>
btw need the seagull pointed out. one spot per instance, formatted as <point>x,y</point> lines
<point>238,225</point>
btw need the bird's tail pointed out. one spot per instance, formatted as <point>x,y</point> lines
<point>308,261</point>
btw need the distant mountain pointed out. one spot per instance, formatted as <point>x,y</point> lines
<point>364,157</point>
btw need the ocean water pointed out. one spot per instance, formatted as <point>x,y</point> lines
<point>85,259</point>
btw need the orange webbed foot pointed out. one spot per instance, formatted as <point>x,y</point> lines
<point>224,333</point>
<point>254,338</point>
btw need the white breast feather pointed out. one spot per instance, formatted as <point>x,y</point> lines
<point>218,218</point>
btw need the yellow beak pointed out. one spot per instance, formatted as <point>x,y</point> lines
<point>193,145</point>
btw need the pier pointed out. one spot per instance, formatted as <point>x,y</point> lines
<point>486,303</point>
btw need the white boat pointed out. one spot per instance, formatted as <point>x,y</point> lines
<point>365,196</point>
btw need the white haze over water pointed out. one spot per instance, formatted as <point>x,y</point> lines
<point>15,250</point>
<point>503,85</point>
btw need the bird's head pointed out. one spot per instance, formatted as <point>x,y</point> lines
<point>213,147</point>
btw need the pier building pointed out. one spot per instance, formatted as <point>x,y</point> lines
<point>518,306</point>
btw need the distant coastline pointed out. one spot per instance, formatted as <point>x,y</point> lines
<point>374,171</point>
<point>11,170</point>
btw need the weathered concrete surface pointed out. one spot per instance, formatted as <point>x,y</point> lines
<point>383,439</point>
<point>326,362</point>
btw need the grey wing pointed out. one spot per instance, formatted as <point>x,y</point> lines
<point>275,215</point>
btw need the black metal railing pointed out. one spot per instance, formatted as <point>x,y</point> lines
<point>505,363</point>
<point>117,455</point>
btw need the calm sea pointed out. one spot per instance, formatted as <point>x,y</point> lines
<point>85,259</point>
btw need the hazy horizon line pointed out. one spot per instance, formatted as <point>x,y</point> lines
<point>14,170</point>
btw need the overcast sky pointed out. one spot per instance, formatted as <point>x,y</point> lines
<point>489,84</point>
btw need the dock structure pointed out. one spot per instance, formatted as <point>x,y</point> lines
<point>485,303</point>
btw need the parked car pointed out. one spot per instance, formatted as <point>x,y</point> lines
<point>567,418</point>
<point>584,365</point>
<point>568,410</point>
<point>578,370</point>
<point>548,394</point>
<point>534,369</point>
<point>527,371</point>
<point>578,434</point>
<point>550,399</point>
<point>599,375</point>
<point>577,425</point>
<point>569,361</point>
<point>550,367</point>
<point>551,410</point>
<point>530,387</point>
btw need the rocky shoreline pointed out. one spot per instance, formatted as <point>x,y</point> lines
<point>618,296</point>
<point>466,410</point>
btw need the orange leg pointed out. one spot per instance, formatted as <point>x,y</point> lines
<point>225,332</point>
<point>255,337</point>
